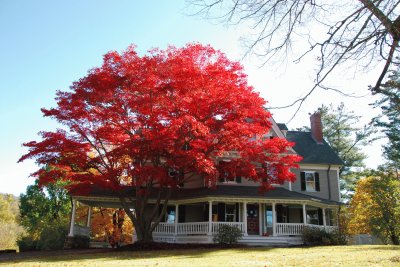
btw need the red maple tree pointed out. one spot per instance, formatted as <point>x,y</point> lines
<point>136,119</point>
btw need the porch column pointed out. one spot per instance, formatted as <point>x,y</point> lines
<point>176,218</point>
<point>260,227</point>
<point>304,214</point>
<point>89,217</point>
<point>273,220</point>
<point>209,217</point>
<point>323,217</point>
<point>245,218</point>
<point>71,226</point>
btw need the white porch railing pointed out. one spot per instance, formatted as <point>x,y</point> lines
<point>297,228</point>
<point>202,228</point>
<point>289,228</point>
<point>165,228</point>
<point>81,230</point>
<point>193,228</point>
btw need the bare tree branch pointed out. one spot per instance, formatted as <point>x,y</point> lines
<point>362,33</point>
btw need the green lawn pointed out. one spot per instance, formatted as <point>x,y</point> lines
<point>317,256</point>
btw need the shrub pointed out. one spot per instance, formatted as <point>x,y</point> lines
<point>315,236</point>
<point>27,243</point>
<point>52,237</point>
<point>227,234</point>
<point>80,241</point>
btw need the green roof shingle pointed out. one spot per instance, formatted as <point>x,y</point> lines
<point>311,151</point>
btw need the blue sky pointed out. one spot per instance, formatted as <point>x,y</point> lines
<point>46,45</point>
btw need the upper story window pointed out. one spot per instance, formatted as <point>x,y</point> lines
<point>176,174</point>
<point>310,181</point>
<point>226,176</point>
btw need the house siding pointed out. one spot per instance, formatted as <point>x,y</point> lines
<point>196,181</point>
<point>323,182</point>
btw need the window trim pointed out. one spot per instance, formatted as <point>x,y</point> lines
<point>308,189</point>
<point>303,181</point>
<point>230,214</point>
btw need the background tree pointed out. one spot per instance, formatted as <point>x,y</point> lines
<point>9,217</point>
<point>342,134</point>
<point>134,119</point>
<point>375,207</point>
<point>45,214</point>
<point>104,229</point>
<point>359,33</point>
<point>389,122</point>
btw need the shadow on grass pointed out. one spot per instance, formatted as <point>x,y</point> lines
<point>380,247</point>
<point>105,255</point>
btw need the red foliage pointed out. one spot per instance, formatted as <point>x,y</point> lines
<point>134,118</point>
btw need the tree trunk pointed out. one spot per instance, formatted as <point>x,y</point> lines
<point>143,223</point>
<point>144,233</point>
<point>395,239</point>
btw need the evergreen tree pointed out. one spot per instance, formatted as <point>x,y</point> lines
<point>390,119</point>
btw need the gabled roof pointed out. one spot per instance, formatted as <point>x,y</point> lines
<point>282,126</point>
<point>311,151</point>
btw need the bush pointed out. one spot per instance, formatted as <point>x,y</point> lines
<point>27,243</point>
<point>315,236</point>
<point>52,237</point>
<point>80,241</point>
<point>227,234</point>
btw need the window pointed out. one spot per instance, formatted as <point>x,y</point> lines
<point>310,181</point>
<point>330,217</point>
<point>230,212</point>
<point>176,174</point>
<point>226,178</point>
<point>312,217</point>
<point>272,174</point>
<point>226,175</point>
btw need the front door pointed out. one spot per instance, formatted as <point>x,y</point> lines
<point>253,223</point>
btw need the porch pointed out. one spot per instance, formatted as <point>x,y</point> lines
<point>195,215</point>
<point>260,223</point>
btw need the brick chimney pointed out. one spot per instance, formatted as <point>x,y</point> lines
<point>316,128</point>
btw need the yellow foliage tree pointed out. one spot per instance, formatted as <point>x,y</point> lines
<point>107,225</point>
<point>375,207</point>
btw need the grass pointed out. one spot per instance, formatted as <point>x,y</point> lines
<point>315,256</point>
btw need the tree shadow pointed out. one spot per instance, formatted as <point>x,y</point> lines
<point>109,255</point>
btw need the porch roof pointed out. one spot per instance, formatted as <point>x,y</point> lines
<point>220,191</point>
